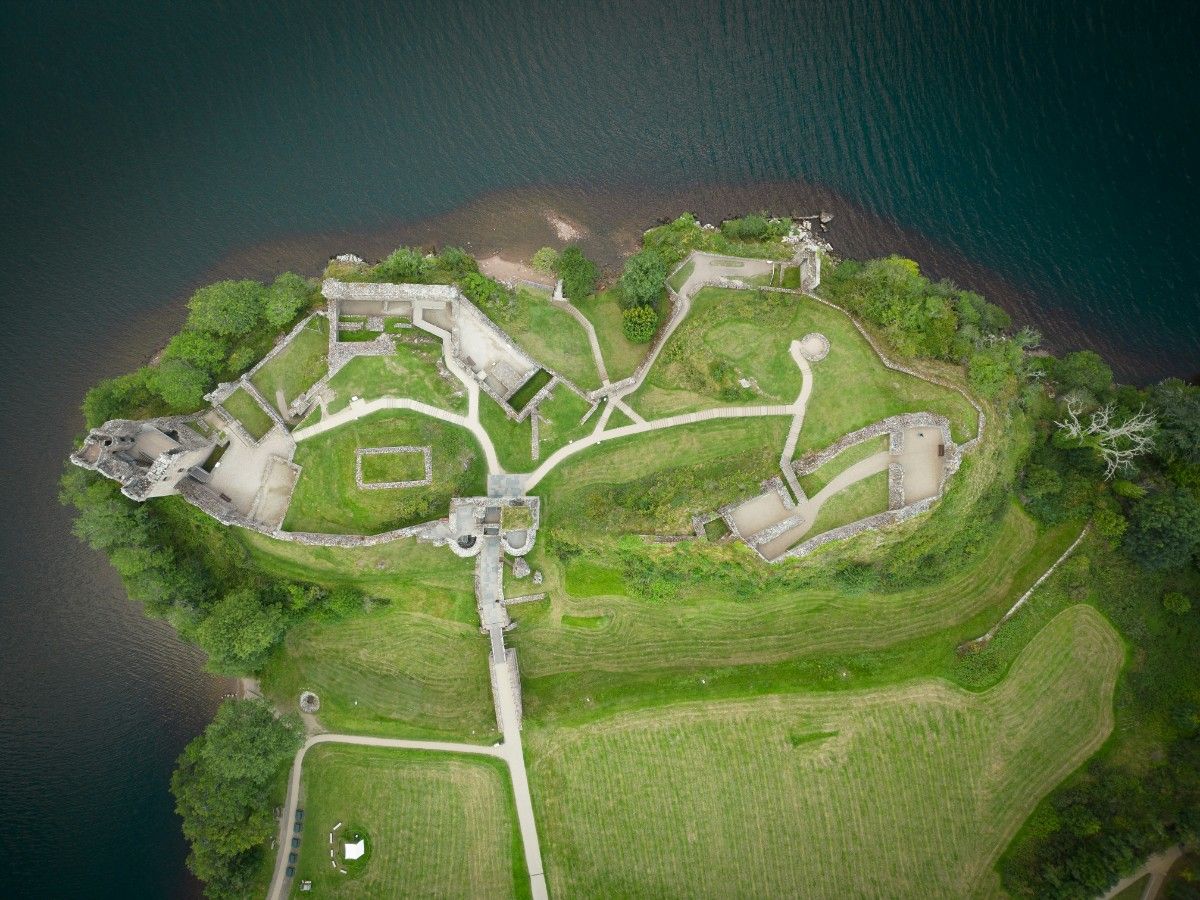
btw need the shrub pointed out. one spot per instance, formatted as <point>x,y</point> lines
<point>483,291</point>
<point>403,265</point>
<point>1176,603</point>
<point>639,323</point>
<point>118,398</point>
<point>755,227</point>
<point>457,262</point>
<point>545,260</point>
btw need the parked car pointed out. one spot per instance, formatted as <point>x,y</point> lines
<point>299,814</point>
<point>295,843</point>
<point>299,825</point>
<point>291,871</point>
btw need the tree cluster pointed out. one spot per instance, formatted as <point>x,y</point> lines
<point>578,274</point>
<point>230,325</point>
<point>642,294</point>
<point>187,568</point>
<point>223,786</point>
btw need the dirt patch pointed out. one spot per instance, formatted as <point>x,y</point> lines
<point>501,269</point>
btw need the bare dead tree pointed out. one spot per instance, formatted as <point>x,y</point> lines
<point>1117,444</point>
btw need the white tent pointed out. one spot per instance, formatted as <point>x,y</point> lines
<point>355,851</point>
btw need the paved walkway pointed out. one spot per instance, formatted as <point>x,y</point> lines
<point>1156,867</point>
<point>561,301</point>
<point>510,751</point>
<point>801,405</point>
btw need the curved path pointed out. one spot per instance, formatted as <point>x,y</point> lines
<point>361,408</point>
<point>508,751</point>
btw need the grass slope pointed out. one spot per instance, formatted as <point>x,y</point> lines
<point>327,499</point>
<point>415,665</point>
<point>621,356</point>
<point>856,501</point>
<point>732,334</point>
<point>911,791</point>
<point>411,372</point>
<point>436,825</point>
<point>298,366</point>
<point>561,413</point>
<point>552,336</point>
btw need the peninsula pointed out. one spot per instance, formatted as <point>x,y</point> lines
<point>728,574</point>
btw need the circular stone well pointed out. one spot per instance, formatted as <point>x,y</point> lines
<point>814,346</point>
<point>309,702</point>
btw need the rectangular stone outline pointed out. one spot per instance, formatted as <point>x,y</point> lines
<point>426,452</point>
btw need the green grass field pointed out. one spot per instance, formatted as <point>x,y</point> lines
<point>327,499</point>
<point>909,791</point>
<point>732,334</point>
<point>298,367</point>
<point>383,467</point>
<point>818,478</point>
<point>513,440</point>
<point>415,665</point>
<point>412,372</point>
<point>856,501</point>
<point>246,410</point>
<point>436,824</point>
<point>551,336</point>
<point>621,356</point>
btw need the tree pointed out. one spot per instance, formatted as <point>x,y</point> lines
<point>639,323</point>
<point>1164,530</point>
<point>223,786</point>
<point>181,385</point>
<point>993,367</point>
<point>642,280</point>
<point>202,349</point>
<point>483,291</point>
<point>1176,603</point>
<point>545,260</point>
<point>285,298</point>
<point>230,308</point>
<point>1117,444</point>
<point>578,274</point>
<point>1176,405</point>
<point>1084,369</point>
<point>117,398</point>
<point>403,265</point>
<point>239,630</point>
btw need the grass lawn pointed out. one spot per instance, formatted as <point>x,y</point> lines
<point>412,372</point>
<point>731,334</point>
<point>407,466</point>
<point>757,797</point>
<point>857,501</point>
<point>415,665</point>
<point>298,367</point>
<point>327,499</point>
<point>436,824</point>
<point>561,413</point>
<point>246,410</point>
<point>817,479</point>
<point>552,336</point>
<point>677,280</point>
<point>621,356</point>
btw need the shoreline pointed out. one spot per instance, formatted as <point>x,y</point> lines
<point>513,223</point>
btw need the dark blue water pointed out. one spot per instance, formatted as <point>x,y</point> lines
<point>1042,151</point>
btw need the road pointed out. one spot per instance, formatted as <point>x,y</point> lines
<point>510,751</point>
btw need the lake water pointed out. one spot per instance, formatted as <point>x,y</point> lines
<point>1043,153</point>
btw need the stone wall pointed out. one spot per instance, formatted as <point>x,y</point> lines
<point>426,453</point>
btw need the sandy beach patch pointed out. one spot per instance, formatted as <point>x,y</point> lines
<point>501,269</point>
